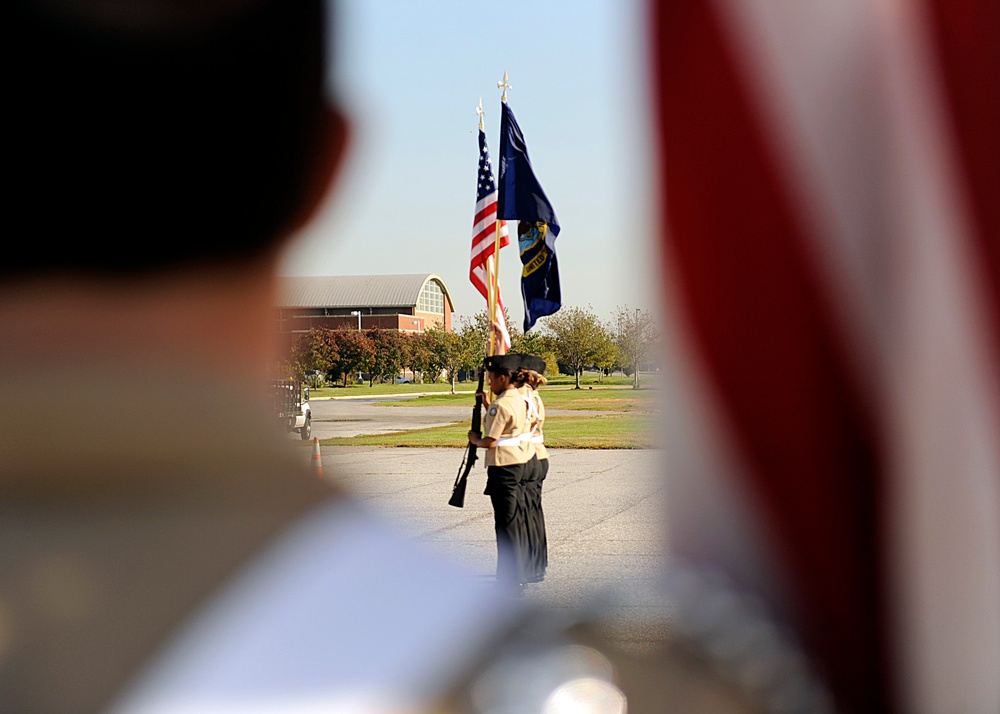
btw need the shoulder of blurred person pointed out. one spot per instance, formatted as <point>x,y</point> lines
<point>161,542</point>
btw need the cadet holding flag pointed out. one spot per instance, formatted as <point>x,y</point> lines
<point>506,456</point>
<point>489,235</point>
<point>529,379</point>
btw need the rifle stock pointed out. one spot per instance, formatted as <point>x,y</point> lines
<point>458,489</point>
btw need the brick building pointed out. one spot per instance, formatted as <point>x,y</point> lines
<point>408,303</point>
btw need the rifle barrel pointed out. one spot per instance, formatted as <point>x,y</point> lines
<point>458,489</point>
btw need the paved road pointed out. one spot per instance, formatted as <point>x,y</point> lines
<point>602,509</point>
<point>370,415</point>
<point>350,417</point>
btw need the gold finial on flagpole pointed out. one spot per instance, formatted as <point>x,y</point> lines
<point>481,113</point>
<point>504,86</point>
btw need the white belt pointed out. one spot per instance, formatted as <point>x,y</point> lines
<point>530,438</point>
<point>540,439</point>
<point>508,441</point>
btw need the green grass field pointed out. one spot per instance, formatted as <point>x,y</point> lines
<point>629,427</point>
<point>617,431</point>
<point>610,399</point>
<point>444,388</point>
<point>381,390</point>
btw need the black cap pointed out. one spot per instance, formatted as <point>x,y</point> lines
<point>511,362</point>
<point>533,362</point>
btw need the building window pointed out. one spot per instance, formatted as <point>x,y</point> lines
<point>431,298</point>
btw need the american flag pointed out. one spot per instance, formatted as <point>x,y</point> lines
<point>831,193</point>
<point>482,268</point>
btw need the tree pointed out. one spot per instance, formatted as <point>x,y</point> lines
<point>536,342</point>
<point>315,351</point>
<point>456,351</point>
<point>531,343</point>
<point>357,352</point>
<point>479,325</point>
<point>404,339</point>
<point>551,362</point>
<point>606,354</point>
<point>579,338</point>
<point>421,356</point>
<point>636,337</point>
<point>445,349</point>
<point>389,354</point>
<point>470,351</point>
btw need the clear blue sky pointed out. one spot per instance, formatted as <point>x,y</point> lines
<point>410,75</point>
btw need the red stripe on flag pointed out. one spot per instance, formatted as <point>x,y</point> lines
<point>766,335</point>
<point>487,211</point>
<point>966,34</point>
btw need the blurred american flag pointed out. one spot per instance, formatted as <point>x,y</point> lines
<point>830,178</point>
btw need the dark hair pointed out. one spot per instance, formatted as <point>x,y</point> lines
<point>160,136</point>
<point>504,372</point>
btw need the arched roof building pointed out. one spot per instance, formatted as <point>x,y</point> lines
<point>408,303</point>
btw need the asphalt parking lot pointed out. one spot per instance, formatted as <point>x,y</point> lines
<point>370,415</point>
<point>603,513</point>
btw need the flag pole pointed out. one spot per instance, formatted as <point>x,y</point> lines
<point>495,282</point>
<point>494,289</point>
<point>491,285</point>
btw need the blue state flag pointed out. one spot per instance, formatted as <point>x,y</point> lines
<point>520,197</point>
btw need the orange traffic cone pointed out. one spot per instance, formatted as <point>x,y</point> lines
<point>317,459</point>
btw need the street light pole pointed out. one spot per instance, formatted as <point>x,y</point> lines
<point>358,313</point>
<point>413,372</point>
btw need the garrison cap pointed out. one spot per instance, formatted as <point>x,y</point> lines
<point>511,362</point>
<point>533,362</point>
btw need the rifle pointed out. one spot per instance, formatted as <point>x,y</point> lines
<point>458,490</point>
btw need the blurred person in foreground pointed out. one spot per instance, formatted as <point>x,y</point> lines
<point>831,249</point>
<point>159,552</point>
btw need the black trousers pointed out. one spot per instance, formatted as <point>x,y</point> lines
<point>538,553</point>
<point>505,487</point>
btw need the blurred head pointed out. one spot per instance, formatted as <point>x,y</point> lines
<point>157,134</point>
